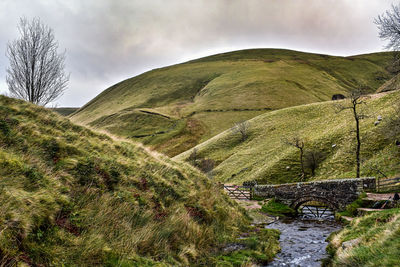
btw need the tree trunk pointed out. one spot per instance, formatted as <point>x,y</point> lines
<point>303,174</point>
<point>358,141</point>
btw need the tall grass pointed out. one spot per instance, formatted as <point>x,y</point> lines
<point>379,241</point>
<point>70,196</point>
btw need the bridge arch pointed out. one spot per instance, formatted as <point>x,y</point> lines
<point>299,201</point>
<point>336,193</point>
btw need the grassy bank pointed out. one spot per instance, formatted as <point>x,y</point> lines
<point>274,208</point>
<point>258,246</point>
<point>69,196</point>
<point>376,239</point>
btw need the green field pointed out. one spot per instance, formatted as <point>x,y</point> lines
<point>188,103</point>
<point>72,197</point>
<point>264,157</point>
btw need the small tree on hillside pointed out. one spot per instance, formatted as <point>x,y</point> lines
<point>207,166</point>
<point>298,143</point>
<point>242,128</point>
<point>312,160</point>
<point>36,71</point>
<point>193,156</point>
<point>353,102</point>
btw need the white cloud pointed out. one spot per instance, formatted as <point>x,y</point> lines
<point>107,41</point>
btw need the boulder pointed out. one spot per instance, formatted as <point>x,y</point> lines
<point>351,243</point>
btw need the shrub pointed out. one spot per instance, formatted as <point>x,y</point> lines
<point>52,149</point>
<point>4,127</point>
<point>85,172</point>
<point>242,128</point>
<point>206,165</point>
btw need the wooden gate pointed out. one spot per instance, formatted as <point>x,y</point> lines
<point>239,191</point>
<point>388,185</point>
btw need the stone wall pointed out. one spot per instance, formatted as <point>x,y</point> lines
<point>335,193</point>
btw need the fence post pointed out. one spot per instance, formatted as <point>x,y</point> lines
<point>377,184</point>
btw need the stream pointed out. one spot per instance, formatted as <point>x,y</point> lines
<point>302,240</point>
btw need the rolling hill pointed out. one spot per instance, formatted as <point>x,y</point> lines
<point>328,136</point>
<point>72,197</point>
<point>172,109</point>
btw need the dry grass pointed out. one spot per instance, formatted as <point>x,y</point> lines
<point>69,195</point>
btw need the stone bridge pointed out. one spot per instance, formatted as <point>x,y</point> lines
<point>336,194</point>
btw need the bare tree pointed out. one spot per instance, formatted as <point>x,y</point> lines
<point>207,166</point>
<point>298,143</point>
<point>242,127</point>
<point>312,160</point>
<point>36,71</point>
<point>353,103</point>
<point>193,156</point>
<point>389,30</point>
<point>389,27</point>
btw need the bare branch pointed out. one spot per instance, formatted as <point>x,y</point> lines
<point>389,27</point>
<point>298,143</point>
<point>354,100</point>
<point>36,70</point>
<point>242,127</point>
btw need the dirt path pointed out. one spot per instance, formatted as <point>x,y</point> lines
<point>253,208</point>
<point>249,204</point>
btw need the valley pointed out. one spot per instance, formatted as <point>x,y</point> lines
<point>200,133</point>
<point>91,186</point>
<point>204,97</point>
<point>233,115</point>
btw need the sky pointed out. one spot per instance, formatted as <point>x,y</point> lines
<point>107,41</point>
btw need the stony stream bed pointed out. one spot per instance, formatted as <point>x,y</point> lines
<point>303,241</point>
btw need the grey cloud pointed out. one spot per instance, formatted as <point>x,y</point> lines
<point>108,40</point>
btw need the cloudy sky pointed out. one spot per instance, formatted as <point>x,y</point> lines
<point>111,40</point>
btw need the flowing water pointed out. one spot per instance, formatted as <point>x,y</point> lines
<point>303,241</point>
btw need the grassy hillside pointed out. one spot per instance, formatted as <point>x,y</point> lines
<point>263,156</point>
<point>64,111</point>
<point>378,236</point>
<point>391,85</point>
<point>69,196</point>
<point>174,108</point>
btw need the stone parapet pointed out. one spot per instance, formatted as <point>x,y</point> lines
<point>336,193</point>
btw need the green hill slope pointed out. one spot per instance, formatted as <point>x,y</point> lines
<point>64,111</point>
<point>174,108</point>
<point>378,238</point>
<point>328,134</point>
<point>391,85</point>
<point>71,197</point>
